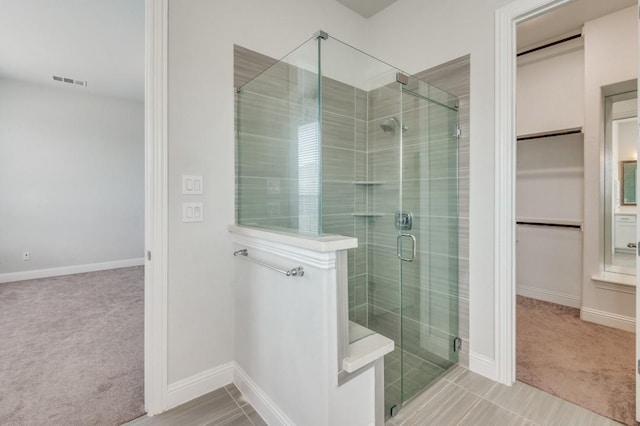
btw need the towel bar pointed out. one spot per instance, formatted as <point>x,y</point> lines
<point>295,272</point>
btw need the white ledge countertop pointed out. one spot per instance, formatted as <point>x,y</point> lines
<point>615,278</point>
<point>365,351</point>
<point>322,244</point>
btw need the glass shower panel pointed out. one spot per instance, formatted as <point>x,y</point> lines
<point>361,182</point>
<point>278,155</point>
<point>384,175</point>
<point>429,239</point>
<point>351,99</point>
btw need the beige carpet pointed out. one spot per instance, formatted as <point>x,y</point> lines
<point>584,363</point>
<point>71,349</point>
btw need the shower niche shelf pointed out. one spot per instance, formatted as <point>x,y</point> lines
<point>368,182</point>
<point>366,214</point>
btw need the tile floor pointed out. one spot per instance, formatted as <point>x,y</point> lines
<point>459,398</point>
<point>465,398</point>
<point>225,406</point>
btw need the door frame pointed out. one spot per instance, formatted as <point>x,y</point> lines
<point>506,19</point>
<point>156,208</point>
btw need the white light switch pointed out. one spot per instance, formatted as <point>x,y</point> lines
<point>192,212</point>
<point>192,185</point>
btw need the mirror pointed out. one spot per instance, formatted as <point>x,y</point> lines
<point>620,182</point>
<point>628,182</point>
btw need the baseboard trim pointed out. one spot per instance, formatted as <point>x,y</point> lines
<point>609,319</point>
<point>69,270</point>
<point>483,365</point>
<point>199,384</point>
<point>260,401</point>
<point>549,296</point>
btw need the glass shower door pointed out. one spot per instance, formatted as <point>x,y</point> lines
<point>427,240</point>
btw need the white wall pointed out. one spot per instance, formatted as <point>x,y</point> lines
<point>201,141</point>
<point>611,56</point>
<point>71,178</point>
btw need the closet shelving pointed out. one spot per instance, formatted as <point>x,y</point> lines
<point>551,222</point>
<point>550,134</point>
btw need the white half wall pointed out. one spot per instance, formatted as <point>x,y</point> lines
<point>71,179</point>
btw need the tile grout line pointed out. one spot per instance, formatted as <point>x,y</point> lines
<point>483,398</point>
<point>238,404</point>
<point>450,383</point>
<point>421,407</point>
<point>503,407</point>
<point>470,410</point>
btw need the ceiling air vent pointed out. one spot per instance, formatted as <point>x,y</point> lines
<point>69,80</point>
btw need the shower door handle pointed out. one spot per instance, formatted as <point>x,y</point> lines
<point>399,247</point>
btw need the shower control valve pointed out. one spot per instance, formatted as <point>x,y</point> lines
<point>404,221</point>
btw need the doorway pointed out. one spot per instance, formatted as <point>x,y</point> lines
<point>154,192</point>
<point>507,271</point>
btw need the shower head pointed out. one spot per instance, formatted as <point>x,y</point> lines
<point>390,124</point>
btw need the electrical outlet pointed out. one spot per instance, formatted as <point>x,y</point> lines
<point>26,255</point>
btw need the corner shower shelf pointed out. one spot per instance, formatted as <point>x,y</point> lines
<point>365,214</point>
<point>368,182</point>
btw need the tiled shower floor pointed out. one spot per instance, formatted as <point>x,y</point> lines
<point>418,374</point>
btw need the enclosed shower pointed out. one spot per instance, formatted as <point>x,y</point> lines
<point>333,141</point>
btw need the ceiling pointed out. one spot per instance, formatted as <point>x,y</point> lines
<point>566,19</point>
<point>367,8</point>
<point>98,41</point>
<point>102,41</point>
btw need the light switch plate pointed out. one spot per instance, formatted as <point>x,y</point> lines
<point>192,212</point>
<point>192,185</point>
